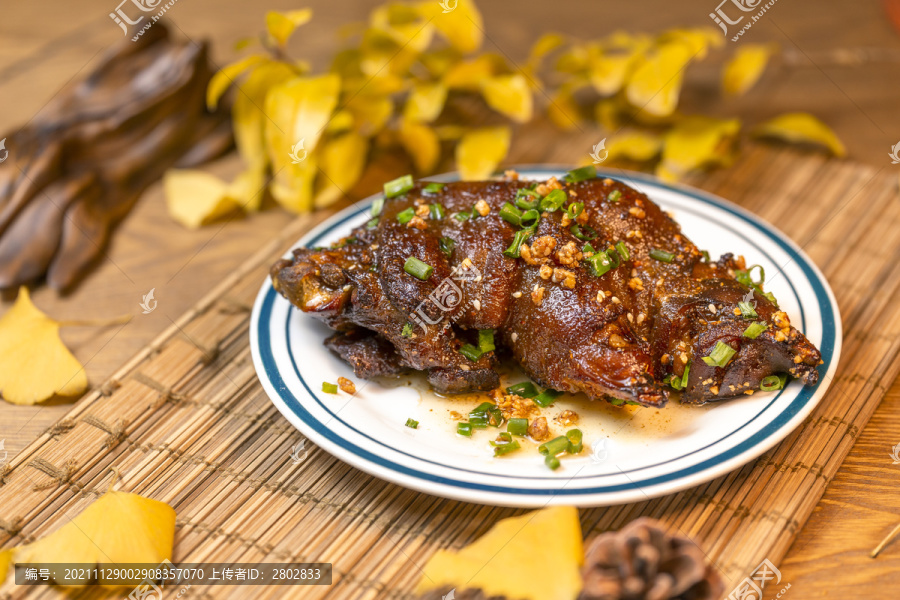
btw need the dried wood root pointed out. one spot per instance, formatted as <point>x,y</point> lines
<point>76,170</point>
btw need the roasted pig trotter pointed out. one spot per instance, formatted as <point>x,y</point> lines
<point>588,285</point>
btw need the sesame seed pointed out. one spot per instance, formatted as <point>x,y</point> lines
<point>517,294</point>
<point>615,300</point>
<point>630,318</point>
<point>514,336</point>
<point>641,317</point>
<point>712,307</point>
<point>476,304</point>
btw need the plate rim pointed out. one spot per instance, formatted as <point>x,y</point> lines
<point>696,475</point>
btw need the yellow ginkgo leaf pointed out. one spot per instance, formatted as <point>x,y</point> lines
<point>563,110</point>
<point>425,102</point>
<point>509,95</point>
<point>247,114</point>
<point>292,186</point>
<point>195,198</point>
<point>6,561</point>
<point>637,146</point>
<point>480,151</point>
<point>118,528</point>
<point>609,70</point>
<point>535,556</point>
<point>225,76</point>
<point>422,144</point>
<point>655,85</point>
<point>370,113</point>
<point>343,159</point>
<point>458,21</point>
<point>469,74</point>
<point>282,25</point>
<point>801,128</point>
<point>248,188</point>
<point>744,70</point>
<point>404,24</point>
<point>439,61</point>
<point>698,40</point>
<point>34,363</point>
<point>697,142</point>
<point>545,44</point>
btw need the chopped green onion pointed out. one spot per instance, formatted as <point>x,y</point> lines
<point>720,355</point>
<point>525,389</point>
<point>746,277</point>
<point>412,423</point>
<point>552,462</point>
<point>462,215</point>
<point>773,382</point>
<point>582,174</point>
<point>588,249</point>
<point>679,383</point>
<point>329,388</point>
<point>575,209</point>
<point>705,255</point>
<point>447,245</point>
<point>373,223</point>
<point>554,446</point>
<point>405,216</point>
<point>662,255</point>
<point>417,268</point>
<point>377,205</point>
<point>616,401</point>
<point>553,201</point>
<point>583,232</point>
<point>495,417</point>
<point>501,449</point>
<point>754,329</point>
<point>437,211</point>
<point>622,249</point>
<point>546,398</point>
<point>515,247</point>
<point>574,436</point>
<point>771,298</point>
<point>529,219</point>
<point>614,196</point>
<point>407,331</point>
<point>747,310</point>
<point>600,263</point>
<point>470,352</point>
<point>486,340</point>
<point>511,214</point>
<point>522,198</point>
<point>517,426</point>
<point>433,188</point>
<point>613,258</point>
<point>464,429</point>
<point>502,438</point>
<point>482,409</point>
<point>398,186</point>
<point>479,422</point>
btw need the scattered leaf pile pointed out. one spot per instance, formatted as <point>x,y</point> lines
<point>305,137</point>
<point>118,528</point>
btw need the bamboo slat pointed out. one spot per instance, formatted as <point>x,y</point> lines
<point>185,421</point>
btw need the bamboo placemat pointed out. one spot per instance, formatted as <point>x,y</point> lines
<point>185,421</point>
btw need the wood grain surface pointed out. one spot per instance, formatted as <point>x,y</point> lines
<point>44,45</point>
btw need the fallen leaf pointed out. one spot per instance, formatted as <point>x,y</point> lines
<point>655,85</point>
<point>282,25</point>
<point>535,556</point>
<point>298,111</point>
<point>370,113</point>
<point>746,67</point>
<point>224,78</point>
<point>248,188</point>
<point>697,142</point>
<point>343,160</point>
<point>425,102</point>
<point>545,44</point>
<point>404,24</point>
<point>462,27</point>
<point>637,146</point>
<point>509,95</point>
<point>801,128</point>
<point>480,151</point>
<point>609,68</point>
<point>468,74</point>
<point>195,198</point>
<point>35,365</point>
<point>698,40</point>
<point>6,561</point>
<point>563,110</point>
<point>118,528</point>
<point>421,143</point>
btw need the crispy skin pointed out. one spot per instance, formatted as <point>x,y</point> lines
<point>651,320</point>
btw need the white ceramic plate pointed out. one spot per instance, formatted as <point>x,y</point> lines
<point>632,453</point>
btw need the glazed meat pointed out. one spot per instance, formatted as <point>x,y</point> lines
<point>604,295</point>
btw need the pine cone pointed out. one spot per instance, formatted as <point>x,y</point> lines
<point>643,562</point>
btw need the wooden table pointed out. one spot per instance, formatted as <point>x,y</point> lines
<point>43,45</point>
